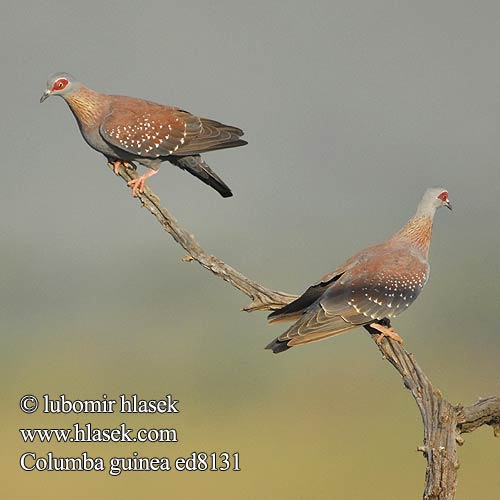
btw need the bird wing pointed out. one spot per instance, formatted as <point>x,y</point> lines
<point>381,287</point>
<point>294,309</point>
<point>149,130</point>
<point>213,135</point>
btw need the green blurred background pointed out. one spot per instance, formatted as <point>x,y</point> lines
<point>351,110</point>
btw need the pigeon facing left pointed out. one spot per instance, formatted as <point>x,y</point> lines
<point>372,287</point>
<point>127,129</point>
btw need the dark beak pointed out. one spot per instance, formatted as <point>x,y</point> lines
<point>447,204</point>
<point>45,95</point>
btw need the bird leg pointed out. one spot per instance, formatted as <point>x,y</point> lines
<point>386,332</point>
<point>140,183</point>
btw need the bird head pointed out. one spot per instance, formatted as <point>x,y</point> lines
<point>444,200</point>
<point>62,84</point>
<point>433,199</point>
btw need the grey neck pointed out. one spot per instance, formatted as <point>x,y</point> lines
<point>425,209</point>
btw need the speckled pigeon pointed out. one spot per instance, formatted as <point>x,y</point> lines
<point>370,288</point>
<point>127,129</point>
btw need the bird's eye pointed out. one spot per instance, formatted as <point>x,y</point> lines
<point>60,84</point>
<point>443,196</point>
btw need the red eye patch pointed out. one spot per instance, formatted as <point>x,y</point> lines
<point>443,196</point>
<point>60,84</point>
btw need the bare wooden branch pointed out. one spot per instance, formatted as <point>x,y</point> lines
<point>262,297</point>
<point>438,416</point>
<point>443,422</point>
<point>485,412</point>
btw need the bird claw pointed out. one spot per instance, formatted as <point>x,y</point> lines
<point>139,183</point>
<point>386,332</point>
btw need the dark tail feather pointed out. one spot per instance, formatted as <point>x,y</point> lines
<point>278,346</point>
<point>197,167</point>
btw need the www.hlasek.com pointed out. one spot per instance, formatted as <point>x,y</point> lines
<point>88,433</point>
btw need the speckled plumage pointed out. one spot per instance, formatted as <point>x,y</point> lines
<point>128,129</point>
<point>376,284</point>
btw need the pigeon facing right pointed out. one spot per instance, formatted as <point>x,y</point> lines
<point>372,287</point>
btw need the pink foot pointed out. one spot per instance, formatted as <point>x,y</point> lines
<point>140,183</point>
<point>386,332</point>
